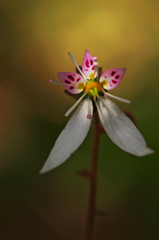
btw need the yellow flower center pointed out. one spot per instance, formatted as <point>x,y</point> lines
<point>104,83</point>
<point>91,76</point>
<point>91,85</point>
<point>81,86</point>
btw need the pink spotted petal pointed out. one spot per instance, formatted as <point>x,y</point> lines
<point>88,64</point>
<point>112,77</point>
<point>73,79</point>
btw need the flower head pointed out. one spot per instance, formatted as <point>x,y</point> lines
<point>117,125</point>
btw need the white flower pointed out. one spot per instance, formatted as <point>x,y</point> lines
<point>117,125</point>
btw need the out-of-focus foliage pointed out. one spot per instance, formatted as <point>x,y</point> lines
<point>35,39</point>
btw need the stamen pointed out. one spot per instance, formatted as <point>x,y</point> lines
<point>73,60</point>
<point>81,86</point>
<point>89,116</point>
<point>62,83</point>
<point>73,107</point>
<point>96,68</point>
<point>92,85</point>
<point>118,98</point>
<point>104,83</point>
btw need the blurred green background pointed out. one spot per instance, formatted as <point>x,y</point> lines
<point>34,42</point>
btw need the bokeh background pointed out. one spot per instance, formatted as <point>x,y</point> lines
<point>34,42</point>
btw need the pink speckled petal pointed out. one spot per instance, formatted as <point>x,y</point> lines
<point>88,64</point>
<point>112,77</point>
<point>73,79</point>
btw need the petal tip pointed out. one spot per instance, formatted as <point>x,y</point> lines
<point>87,52</point>
<point>42,171</point>
<point>46,168</point>
<point>123,69</point>
<point>147,151</point>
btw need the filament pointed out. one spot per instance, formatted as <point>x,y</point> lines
<point>61,83</point>
<point>73,60</point>
<point>89,116</point>
<point>73,107</point>
<point>118,98</point>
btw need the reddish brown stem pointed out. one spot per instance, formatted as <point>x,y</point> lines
<point>91,207</point>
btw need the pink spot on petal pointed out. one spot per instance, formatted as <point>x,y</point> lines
<point>112,73</point>
<point>78,80</point>
<point>91,62</point>
<point>87,63</point>
<point>105,76</point>
<point>93,68</point>
<point>71,88</point>
<point>66,81</point>
<point>86,69</point>
<point>117,76</point>
<point>113,81</point>
<point>71,78</point>
<point>89,116</point>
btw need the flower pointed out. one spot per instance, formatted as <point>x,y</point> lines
<point>117,125</point>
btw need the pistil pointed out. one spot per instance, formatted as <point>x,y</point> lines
<point>92,85</point>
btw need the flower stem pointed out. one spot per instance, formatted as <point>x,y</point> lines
<point>91,202</point>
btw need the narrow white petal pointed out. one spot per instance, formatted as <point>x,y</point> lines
<point>70,138</point>
<point>121,129</point>
<point>73,107</point>
<point>111,109</point>
<point>118,98</point>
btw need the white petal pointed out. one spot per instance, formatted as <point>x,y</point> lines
<point>121,129</point>
<point>70,138</point>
